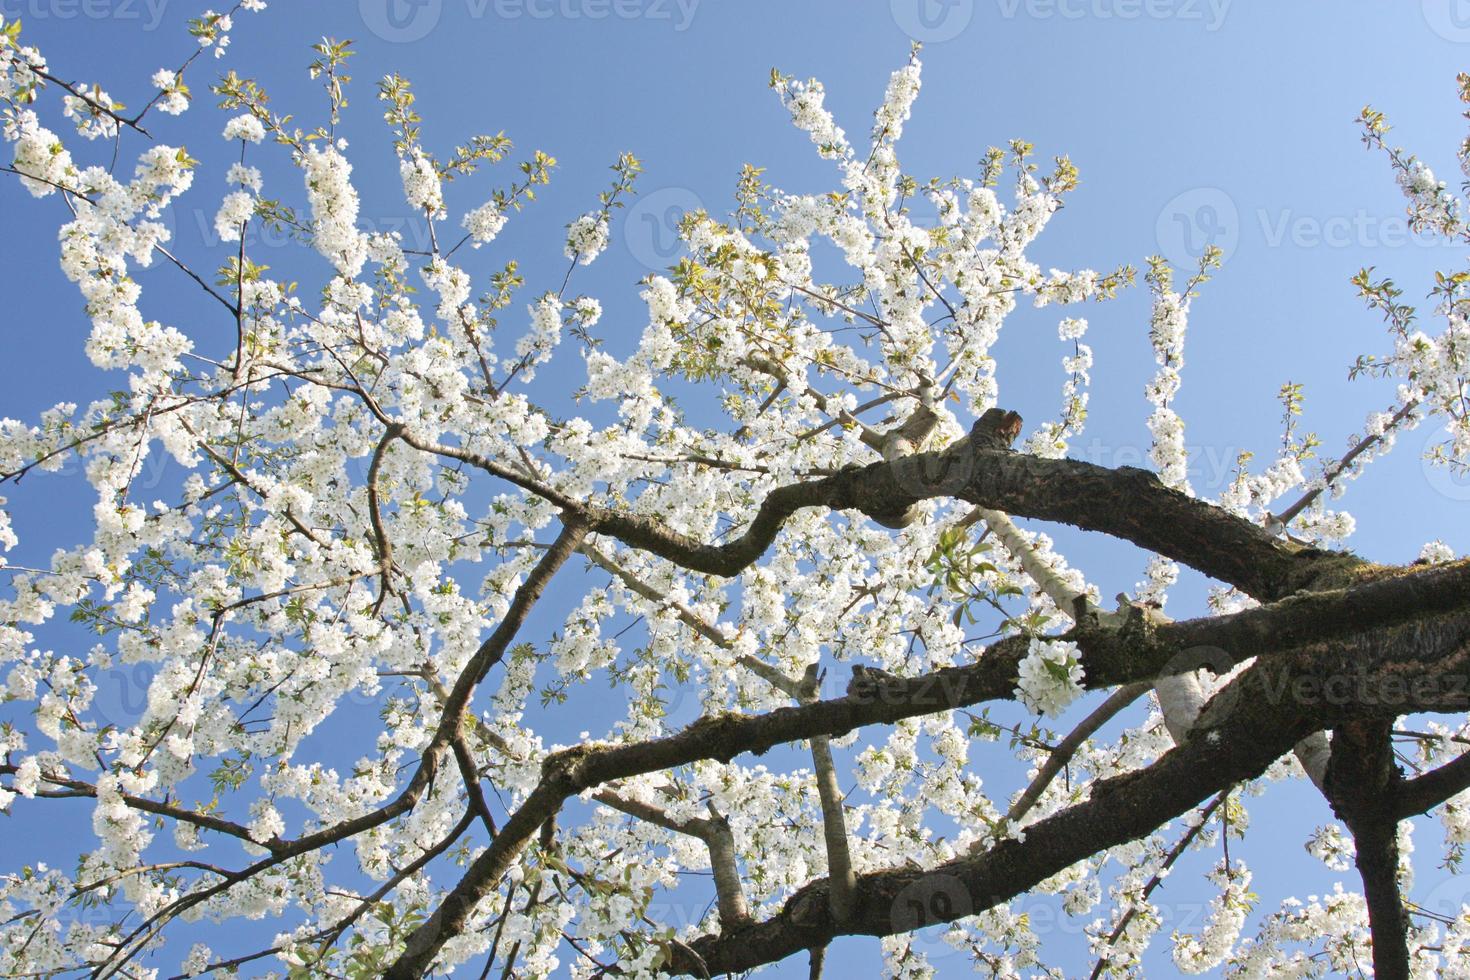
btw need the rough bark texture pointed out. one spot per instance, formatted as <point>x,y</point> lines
<point>1362,782</point>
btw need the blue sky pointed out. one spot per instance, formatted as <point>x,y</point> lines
<point>1190,120</point>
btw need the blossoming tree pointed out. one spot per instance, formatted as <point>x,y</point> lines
<point>375,503</point>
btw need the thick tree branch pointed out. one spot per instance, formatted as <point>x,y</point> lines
<point>1416,796</point>
<point>834,828</point>
<point>1361,784</point>
<point>1237,746</point>
<point>833,802</point>
<point>484,873</point>
<point>1126,503</point>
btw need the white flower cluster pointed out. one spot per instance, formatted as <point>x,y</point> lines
<point>536,345</point>
<point>805,101</point>
<point>213,28</point>
<point>1166,334</point>
<point>92,112</point>
<point>1436,553</point>
<point>173,97</point>
<point>1119,944</point>
<point>1158,576</point>
<point>1228,911</point>
<point>1431,206</point>
<point>1337,923</point>
<point>1332,847</point>
<point>877,181</point>
<point>898,101</point>
<point>1324,527</point>
<point>1050,677</point>
<point>484,223</point>
<point>334,208</point>
<point>421,184</point>
<point>1259,490</point>
<point>1066,287</point>
<point>1051,439</point>
<point>453,286</point>
<point>587,237</point>
<point>234,211</point>
<point>45,165</point>
<point>314,557</point>
<point>1436,372</point>
<point>238,207</point>
<point>245,127</point>
<point>19,64</point>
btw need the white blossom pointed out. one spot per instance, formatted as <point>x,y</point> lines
<point>1050,676</point>
<point>586,238</point>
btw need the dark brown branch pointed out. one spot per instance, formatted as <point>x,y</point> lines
<point>77,93</point>
<point>484,873</point>
<point>469,772</point>
<point>452,720</point>
<point>1361,784</point>
<point>234,310</point>
<point>1270,713</point>
<point>382,545</point>
<point>1416,796</point>
<point>818,957</point>
<point>1406,596</point>
<point>1126,503</point>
